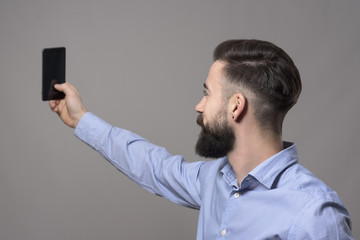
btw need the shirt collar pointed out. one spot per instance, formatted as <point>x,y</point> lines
<point>267,171</point>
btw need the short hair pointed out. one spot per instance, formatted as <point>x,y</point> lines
<point>266,71</point>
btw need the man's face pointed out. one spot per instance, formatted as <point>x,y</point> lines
<point>216,138</point>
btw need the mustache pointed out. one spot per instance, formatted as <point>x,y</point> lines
<point>200,122</point>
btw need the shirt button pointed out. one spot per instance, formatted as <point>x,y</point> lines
<point>236,195</point>
<point>223,232</point>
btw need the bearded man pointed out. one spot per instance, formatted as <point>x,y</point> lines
<point>256,188</point>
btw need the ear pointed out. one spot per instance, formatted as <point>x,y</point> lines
<point>236,106</point>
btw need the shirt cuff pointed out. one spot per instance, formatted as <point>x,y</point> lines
<point>90,129</point>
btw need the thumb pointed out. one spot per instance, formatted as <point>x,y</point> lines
<point>64,87</point>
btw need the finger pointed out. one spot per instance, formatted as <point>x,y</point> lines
<point>52,104</point>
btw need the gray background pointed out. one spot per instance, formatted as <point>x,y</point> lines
<point>140,65</point>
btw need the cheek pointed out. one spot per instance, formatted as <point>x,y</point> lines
<point>212,106</point>
<point>209,114</point>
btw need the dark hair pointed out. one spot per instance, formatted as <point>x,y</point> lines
<point>266,71</point>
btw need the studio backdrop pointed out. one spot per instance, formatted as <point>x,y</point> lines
<point>140,65</point>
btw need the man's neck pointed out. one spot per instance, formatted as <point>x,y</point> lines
<point>251,149</point>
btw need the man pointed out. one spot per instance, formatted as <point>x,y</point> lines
<point>256,189</point>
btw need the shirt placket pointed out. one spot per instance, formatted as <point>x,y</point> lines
<point>228,215</point>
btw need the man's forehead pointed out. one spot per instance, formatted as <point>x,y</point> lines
<point>217,67</point>
<point>215,76</point>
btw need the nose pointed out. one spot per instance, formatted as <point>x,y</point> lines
<point>200,106</point>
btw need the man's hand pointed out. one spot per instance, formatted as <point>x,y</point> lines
<point>70,109</point>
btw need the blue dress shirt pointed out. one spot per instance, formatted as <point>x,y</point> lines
<point>279,199</point>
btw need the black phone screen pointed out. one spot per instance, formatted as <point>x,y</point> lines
<point>53,72</point>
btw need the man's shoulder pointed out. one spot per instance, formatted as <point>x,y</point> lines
<point>299,179</point>
<point>318,209</point>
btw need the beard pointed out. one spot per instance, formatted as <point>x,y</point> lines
<point>215,140</point>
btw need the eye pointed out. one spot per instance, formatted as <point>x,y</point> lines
<point>205,93</point>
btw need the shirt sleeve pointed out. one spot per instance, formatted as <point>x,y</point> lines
<point>150,166</point>
<point>322,219</point>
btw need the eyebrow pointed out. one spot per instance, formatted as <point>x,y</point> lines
<point>205,86</point>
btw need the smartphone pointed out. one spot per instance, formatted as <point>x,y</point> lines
<point>53,72</point>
